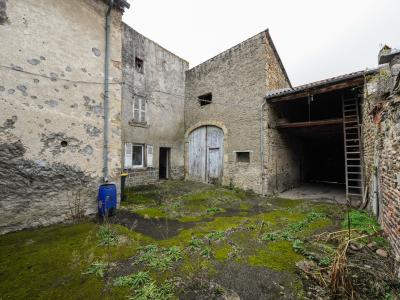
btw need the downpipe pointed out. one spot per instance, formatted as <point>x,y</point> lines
<point>106,89</point>
<point>264,101</point>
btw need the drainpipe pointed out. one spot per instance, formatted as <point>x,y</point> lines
<point>106,90</point>
<point>264,101</point>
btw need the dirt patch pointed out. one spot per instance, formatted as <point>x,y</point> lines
<point>156,228</point>
<point>256,282</point>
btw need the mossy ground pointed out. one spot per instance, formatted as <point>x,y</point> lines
<point>229,226</point>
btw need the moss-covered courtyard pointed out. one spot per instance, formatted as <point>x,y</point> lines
<point>173,240</point>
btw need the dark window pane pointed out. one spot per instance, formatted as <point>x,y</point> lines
<point>137,155</point>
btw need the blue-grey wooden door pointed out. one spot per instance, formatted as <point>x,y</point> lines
<point>206,148</point>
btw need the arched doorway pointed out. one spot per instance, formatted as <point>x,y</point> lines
<point>206,154</point>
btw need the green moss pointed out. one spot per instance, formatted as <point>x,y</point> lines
<point>136,198</point>
<point>317,226</point>
<point>151,212</point>
<point>222,252</point>
<point>244,206</point>
<point>277,256</point>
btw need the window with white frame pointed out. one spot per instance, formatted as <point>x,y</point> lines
<point>137,156</point>
<point>134,156</point>
<point>139,109</point>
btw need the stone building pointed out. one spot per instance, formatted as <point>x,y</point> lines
<point>152,110</point>
<point>52,62</point>
<point>222,105</point>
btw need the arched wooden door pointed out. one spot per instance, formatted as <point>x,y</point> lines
<point>206,153</point>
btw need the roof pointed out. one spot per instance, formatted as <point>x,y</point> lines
<point>317,84</point>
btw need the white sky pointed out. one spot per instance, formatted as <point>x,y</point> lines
<point>316,39</point>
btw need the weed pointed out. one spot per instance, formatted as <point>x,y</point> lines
<point>362,221</point>
<point>97,268</point>
<point>134,280</point>
<point>195,244</point>
<point>207,252</point>
<point>151,290</point>
<point>214,210</point>
<point>215,235</point>
<point>107,236</point>
<point>162,259</point>
<point>289,233</point>
<point>269,236</point>
<point>325,261</point>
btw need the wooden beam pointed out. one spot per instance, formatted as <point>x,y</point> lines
<point>310,123</point>
<point>319,90</point>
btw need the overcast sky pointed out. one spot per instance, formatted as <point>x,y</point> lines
<point>316,39</point>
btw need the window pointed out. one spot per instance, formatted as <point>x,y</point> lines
<point>205,99</point>
<point>137,156</point>
<point>139,110</point>
<point>243,156</point>
<point>139,65</point>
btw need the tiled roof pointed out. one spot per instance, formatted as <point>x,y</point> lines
<point>301,88</point>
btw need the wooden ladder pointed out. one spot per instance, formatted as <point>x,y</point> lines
<point>352,149</point>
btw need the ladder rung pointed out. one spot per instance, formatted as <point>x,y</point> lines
<point>353,187</point>
<point>351,121</point>
<point>347,105</point>
<point>352,140</point>
<point>353,172</point>
<point>350,116</point>
<point>353,179</point>
<point>354,152</point>
<point>352,127</point>
<point>351,194</point>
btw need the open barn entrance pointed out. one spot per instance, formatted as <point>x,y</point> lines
<point>319,145</point>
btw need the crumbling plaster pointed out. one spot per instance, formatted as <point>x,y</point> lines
<point>51,94</point>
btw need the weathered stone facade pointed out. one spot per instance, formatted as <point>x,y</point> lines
<point>51,95</point>
<point>238,79</point>
<point>381,136</point>
<point>159,81</point>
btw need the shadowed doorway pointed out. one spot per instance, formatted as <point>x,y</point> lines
<point>164,163</point>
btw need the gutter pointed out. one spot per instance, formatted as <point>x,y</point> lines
<point>106,88</point>
<point>264,101</point>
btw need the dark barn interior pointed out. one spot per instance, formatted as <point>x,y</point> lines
<point>320,121</point>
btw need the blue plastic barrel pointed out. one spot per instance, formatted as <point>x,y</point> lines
<point>107,199</point>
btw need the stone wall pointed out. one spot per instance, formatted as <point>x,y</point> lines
<point>51,96</point>
<point>238,80</point>
<point>161,82</point>
<point>381,136</point>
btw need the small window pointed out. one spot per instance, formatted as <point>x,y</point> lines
<point>139,110</point>
<point>137,156</point>
<point>139,65</point>
<point>205,99</point>
<point>243,157</point>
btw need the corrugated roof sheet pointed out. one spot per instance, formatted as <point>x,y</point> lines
<point>332,80</point>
